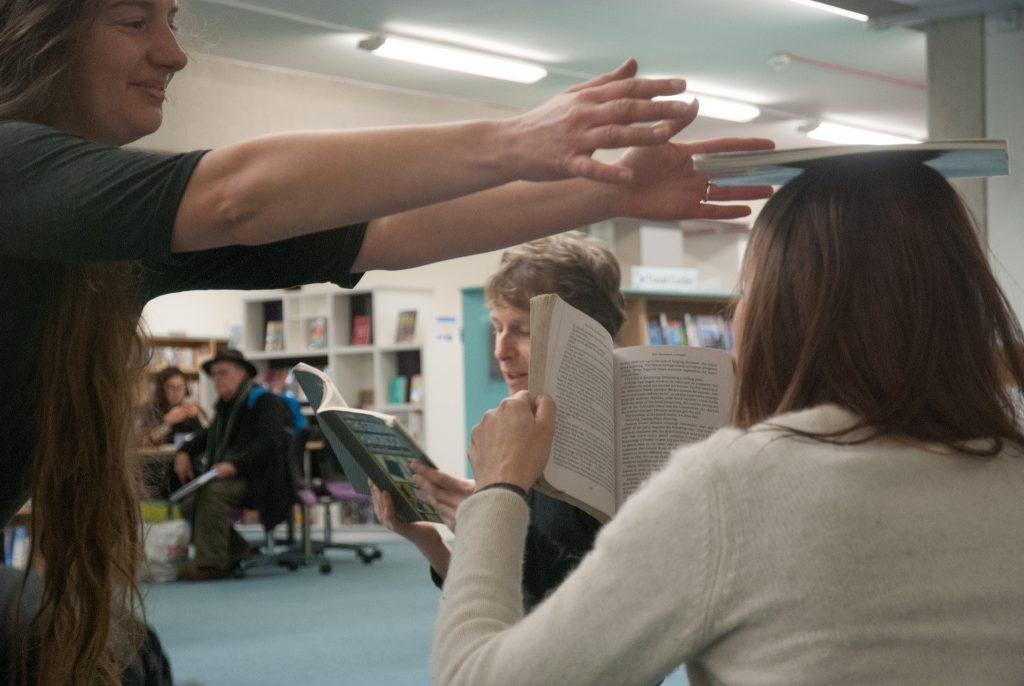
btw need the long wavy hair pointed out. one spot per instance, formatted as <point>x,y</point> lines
<point>85,515</point>
<point>867,287</point>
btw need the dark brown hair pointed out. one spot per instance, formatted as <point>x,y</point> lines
<point>85,514</point>
<point>159,394</point>
<point>582,270</point>
<point>867,287</point>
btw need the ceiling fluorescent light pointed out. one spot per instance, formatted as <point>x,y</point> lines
<point>851,135</point>
<point>454,59</point>
<point>719,108</point>
<point>833,9</point>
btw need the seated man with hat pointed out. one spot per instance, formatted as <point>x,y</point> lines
<point>246,443</point>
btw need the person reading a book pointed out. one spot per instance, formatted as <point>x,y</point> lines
<point>246,445</point>
<point>584,272</point>
<point>169,413</point>
<point>92,230</point>
<point>861,521</point>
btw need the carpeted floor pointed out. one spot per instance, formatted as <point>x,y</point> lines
<point>361,625</point>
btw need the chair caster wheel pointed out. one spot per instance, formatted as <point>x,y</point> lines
<point>368,556</point>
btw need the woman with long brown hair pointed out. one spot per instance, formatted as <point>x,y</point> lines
<point>91,231</point>
<point>169,413</point>
<point>862,521</point>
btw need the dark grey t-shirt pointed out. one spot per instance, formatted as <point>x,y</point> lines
<point>65,199</point>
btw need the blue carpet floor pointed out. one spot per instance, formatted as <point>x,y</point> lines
<point>361,625</point>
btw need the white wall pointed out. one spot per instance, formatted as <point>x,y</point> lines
<point>215,102</point>
<point>1004,59</point>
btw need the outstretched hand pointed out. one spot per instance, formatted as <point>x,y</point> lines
<point>557,139</point>
<point>665,187</point>
<point>511,444</point>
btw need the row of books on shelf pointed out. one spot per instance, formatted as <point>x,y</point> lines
<point>176,356</point>
<point>316,330</point>
<point>701,330</point>
<point>405,389</point>
<point>362,328</point>
<point>402,388</point>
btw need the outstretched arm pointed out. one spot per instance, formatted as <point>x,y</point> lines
<point>662,186</point>
<point>280,186</point>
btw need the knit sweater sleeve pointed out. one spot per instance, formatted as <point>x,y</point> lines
<point>638,605</point>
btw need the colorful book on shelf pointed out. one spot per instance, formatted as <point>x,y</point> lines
<point>317,333</point>
<point>371,446</point>
<point>416,388</point>
<point>405,330</point>
<point>621,411</point>
<point>362,326</point>
<point>274,339</point>
<point>951,158</point>
<point>398,390</point>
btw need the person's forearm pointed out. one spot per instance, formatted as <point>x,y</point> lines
<point>485,221</point>
<point>279,186</point>
<point>438,554</point>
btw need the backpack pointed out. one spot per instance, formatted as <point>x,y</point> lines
<point>298,420</point>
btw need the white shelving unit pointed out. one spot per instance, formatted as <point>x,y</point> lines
<point>362,370</point>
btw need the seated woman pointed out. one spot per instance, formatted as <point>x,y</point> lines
<point>862,522</point>
<point>169,413</point>
<point>584,272</point>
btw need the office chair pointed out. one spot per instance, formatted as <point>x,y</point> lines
<point>279,481</point>
<point>319,482</point>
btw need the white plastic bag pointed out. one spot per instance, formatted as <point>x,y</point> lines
<point>166,546</point>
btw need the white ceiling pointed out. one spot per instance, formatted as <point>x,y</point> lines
<point>839,70</point>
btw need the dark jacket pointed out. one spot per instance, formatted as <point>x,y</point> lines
<point>256,443</point>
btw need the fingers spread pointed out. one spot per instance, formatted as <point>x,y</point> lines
<point>634,88</point>
<point>631,111</point>
<point>626,70</point>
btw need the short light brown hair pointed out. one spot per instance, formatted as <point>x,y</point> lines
<point>868,288</point>
<point>580,269</point>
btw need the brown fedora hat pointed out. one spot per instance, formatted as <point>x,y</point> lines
<point>230,355</point>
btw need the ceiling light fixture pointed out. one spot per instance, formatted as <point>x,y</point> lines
<point>719,108</point>
<point>454,59</point>
<point>833,9</point>
<point>852,135</point>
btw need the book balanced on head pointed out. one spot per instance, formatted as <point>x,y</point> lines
<point>953,158</point>
<point>619,411</point>
<point>371,446</point>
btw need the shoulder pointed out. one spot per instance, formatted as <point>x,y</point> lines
<point>765,448</point>
<point>23,141</point>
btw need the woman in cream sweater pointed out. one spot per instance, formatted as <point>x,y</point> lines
<point>862,520</point>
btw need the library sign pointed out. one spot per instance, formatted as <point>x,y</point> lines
<point>667,279</point>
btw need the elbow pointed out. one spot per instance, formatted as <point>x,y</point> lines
<point>216,215</point>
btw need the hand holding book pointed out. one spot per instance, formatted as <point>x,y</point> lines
<point>511,444</point>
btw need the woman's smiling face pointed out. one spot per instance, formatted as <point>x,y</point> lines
<point>123,62</point>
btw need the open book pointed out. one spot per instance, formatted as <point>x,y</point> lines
<point>620,412</point>
<point>972,157</point>
<point>371,446</point>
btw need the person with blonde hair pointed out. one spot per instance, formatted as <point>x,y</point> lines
<point>861,521</point>
<point>91,231</point>
<point>584,272</point>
